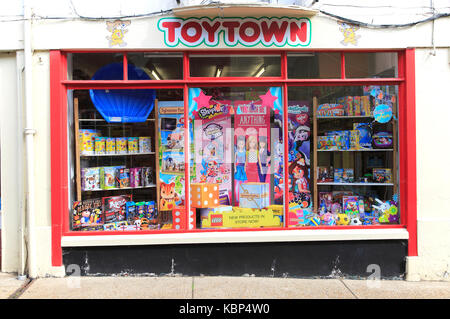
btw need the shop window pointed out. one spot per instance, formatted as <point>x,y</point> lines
<point>114,143</point>
<point>310,65</point>
<point>371,65</point>
<point>237,155</point>
<point>235,65</point>
<point>83,66</point>
<point>348,174</point>
<point>159,66</point>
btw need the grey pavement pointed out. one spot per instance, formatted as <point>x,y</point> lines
<point>183,287</point>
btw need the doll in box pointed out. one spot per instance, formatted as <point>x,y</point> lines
<point>239,159</point>
<point>252,155</point>
<point>263,159</point>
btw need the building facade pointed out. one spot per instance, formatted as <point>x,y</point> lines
<point>314,137</point>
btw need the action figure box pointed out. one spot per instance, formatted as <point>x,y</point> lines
<point>382,175</point>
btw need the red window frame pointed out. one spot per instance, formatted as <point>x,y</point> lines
<point>59,86</point>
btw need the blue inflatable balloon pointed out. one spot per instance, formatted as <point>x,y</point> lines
<point>123,105</point>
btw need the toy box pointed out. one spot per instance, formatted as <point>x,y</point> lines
<point>348,105</point>
<point>204,195</point>
<point>135,176</point>
<point>325,201</point>
<point>131,212</point>
<point>241,217</point>
<point>147,176</point>
<point>382,140</point>
<point>151,210</point>
<point>144,144</point>
<point>109,176</point>
<point>124,177</point>
<point>355,140</point>
<point>356,105</point>
<point>179,218</point>
<point>325,174</point>
<point>350,206</point>
<point>331,143</point>
<point>330,110</point>
<point>100,145</point>
<point>121,145</point>
<point>365,106</point>
<point>87,141</point>
<point>382,175</point>
<point>254,195</point>
<point>344,140</point>
<point>114,207</point>
<point>110,144</point>
<point>87,213</point>
<point>133,145</point>
<point>90,179</point>
<point>365,134</point>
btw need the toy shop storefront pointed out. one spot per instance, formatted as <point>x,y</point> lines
<point>272,162</point>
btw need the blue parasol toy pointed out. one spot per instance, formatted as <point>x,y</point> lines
<point>123,105</point>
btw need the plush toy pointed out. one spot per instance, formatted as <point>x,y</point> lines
<point>388,211</point>
<point>328,219</point>
<point>355,221</point>
<point>342,219</point>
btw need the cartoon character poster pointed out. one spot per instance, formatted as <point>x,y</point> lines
<point>212,140</point>
<point>299,137</point>
<point>171,154</point>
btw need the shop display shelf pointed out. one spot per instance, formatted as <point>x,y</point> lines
<point>123,188</point>
<point>361,150</point>
<point>103,120</point>
<point>127,154</point>
<point>344,117</point>
<point>354,184</point>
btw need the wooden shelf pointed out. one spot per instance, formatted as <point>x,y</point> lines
<point>345,117</point>
<point>355,184</point>
<point>127,154</point>
<point>116,189</point>
<point>103,120</point>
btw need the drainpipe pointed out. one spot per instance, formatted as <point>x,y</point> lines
<point>29,139</point>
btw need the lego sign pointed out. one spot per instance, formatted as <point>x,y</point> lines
<point>248,32</point>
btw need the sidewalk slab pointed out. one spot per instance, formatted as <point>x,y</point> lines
<point>110,288</point>
<point>9,284</point>
<point>399,289</point>
<point>268,288</point>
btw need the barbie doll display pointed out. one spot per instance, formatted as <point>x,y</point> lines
<point>263,159</point>
<point>239,161</point>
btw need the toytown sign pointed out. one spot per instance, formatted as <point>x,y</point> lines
<point>248,32</point>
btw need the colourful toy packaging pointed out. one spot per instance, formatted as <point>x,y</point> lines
<point>133,145</point>
<point>331,142</point>
<point>365,106</point>
<point>179,218</point>
<point>204,195</point>
<point>254,195</point>
<point>135,176</point>
<point>365,134</point>
<point>356,105</point>
<point>382,175</point>
<point>339,175</point>
<point>350,205</point>
<point>87,213</point>
<point>124,177</point>
<point>355,140</point>
<point>100,145</point>
<point>151,211</point>
<point>325,201</point>
<point>325,174</point>
<point>348,100</point>
<point>382,140</point>
<point>121,145</point>
<point>114,207</point>
<point>144,144</point>
<point>348,175</point>
<point>344,139</point>
<point>241,217</point>
<point>90,179</point>
<point>110,145</point>
<point>147,176</point>
<point>330,110</point>
<point>109,176</point>
<point>131,212</point>
<point>87,141</point>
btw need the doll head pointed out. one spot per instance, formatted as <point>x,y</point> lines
<point>252,142</point>
<point>302,133</point>
<point>263,142</point>
<point>240,142</point>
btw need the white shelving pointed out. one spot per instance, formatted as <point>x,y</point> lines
<point>126,154</point>
<point>354,184</point>
<point>119,188</point>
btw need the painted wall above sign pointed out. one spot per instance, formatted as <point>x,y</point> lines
<point>231,32</point>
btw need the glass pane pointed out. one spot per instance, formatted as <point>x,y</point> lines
<point>114,156</point>
<point>235,65</point>
<point>310,65</point>
<point>83,66</point>
<point>352,164</point>
<point>371,65</point>
<point>237,155</point>
<point>159,66</point>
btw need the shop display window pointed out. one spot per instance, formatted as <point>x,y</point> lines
<point>371,65</point>
<point>237,151</point>
<point>314,65</point>
<point>159,66</point>
<point>215,157</point>
<point>235,65</point>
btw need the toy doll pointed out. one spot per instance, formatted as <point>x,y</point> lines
<point>263,159</point>
<point>239,168</point>
<point>251,164</point>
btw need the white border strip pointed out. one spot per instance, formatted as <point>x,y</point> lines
<point>235,237</point>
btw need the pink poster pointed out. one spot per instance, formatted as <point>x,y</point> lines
<point>252,143</point>
<point>212,139</point>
